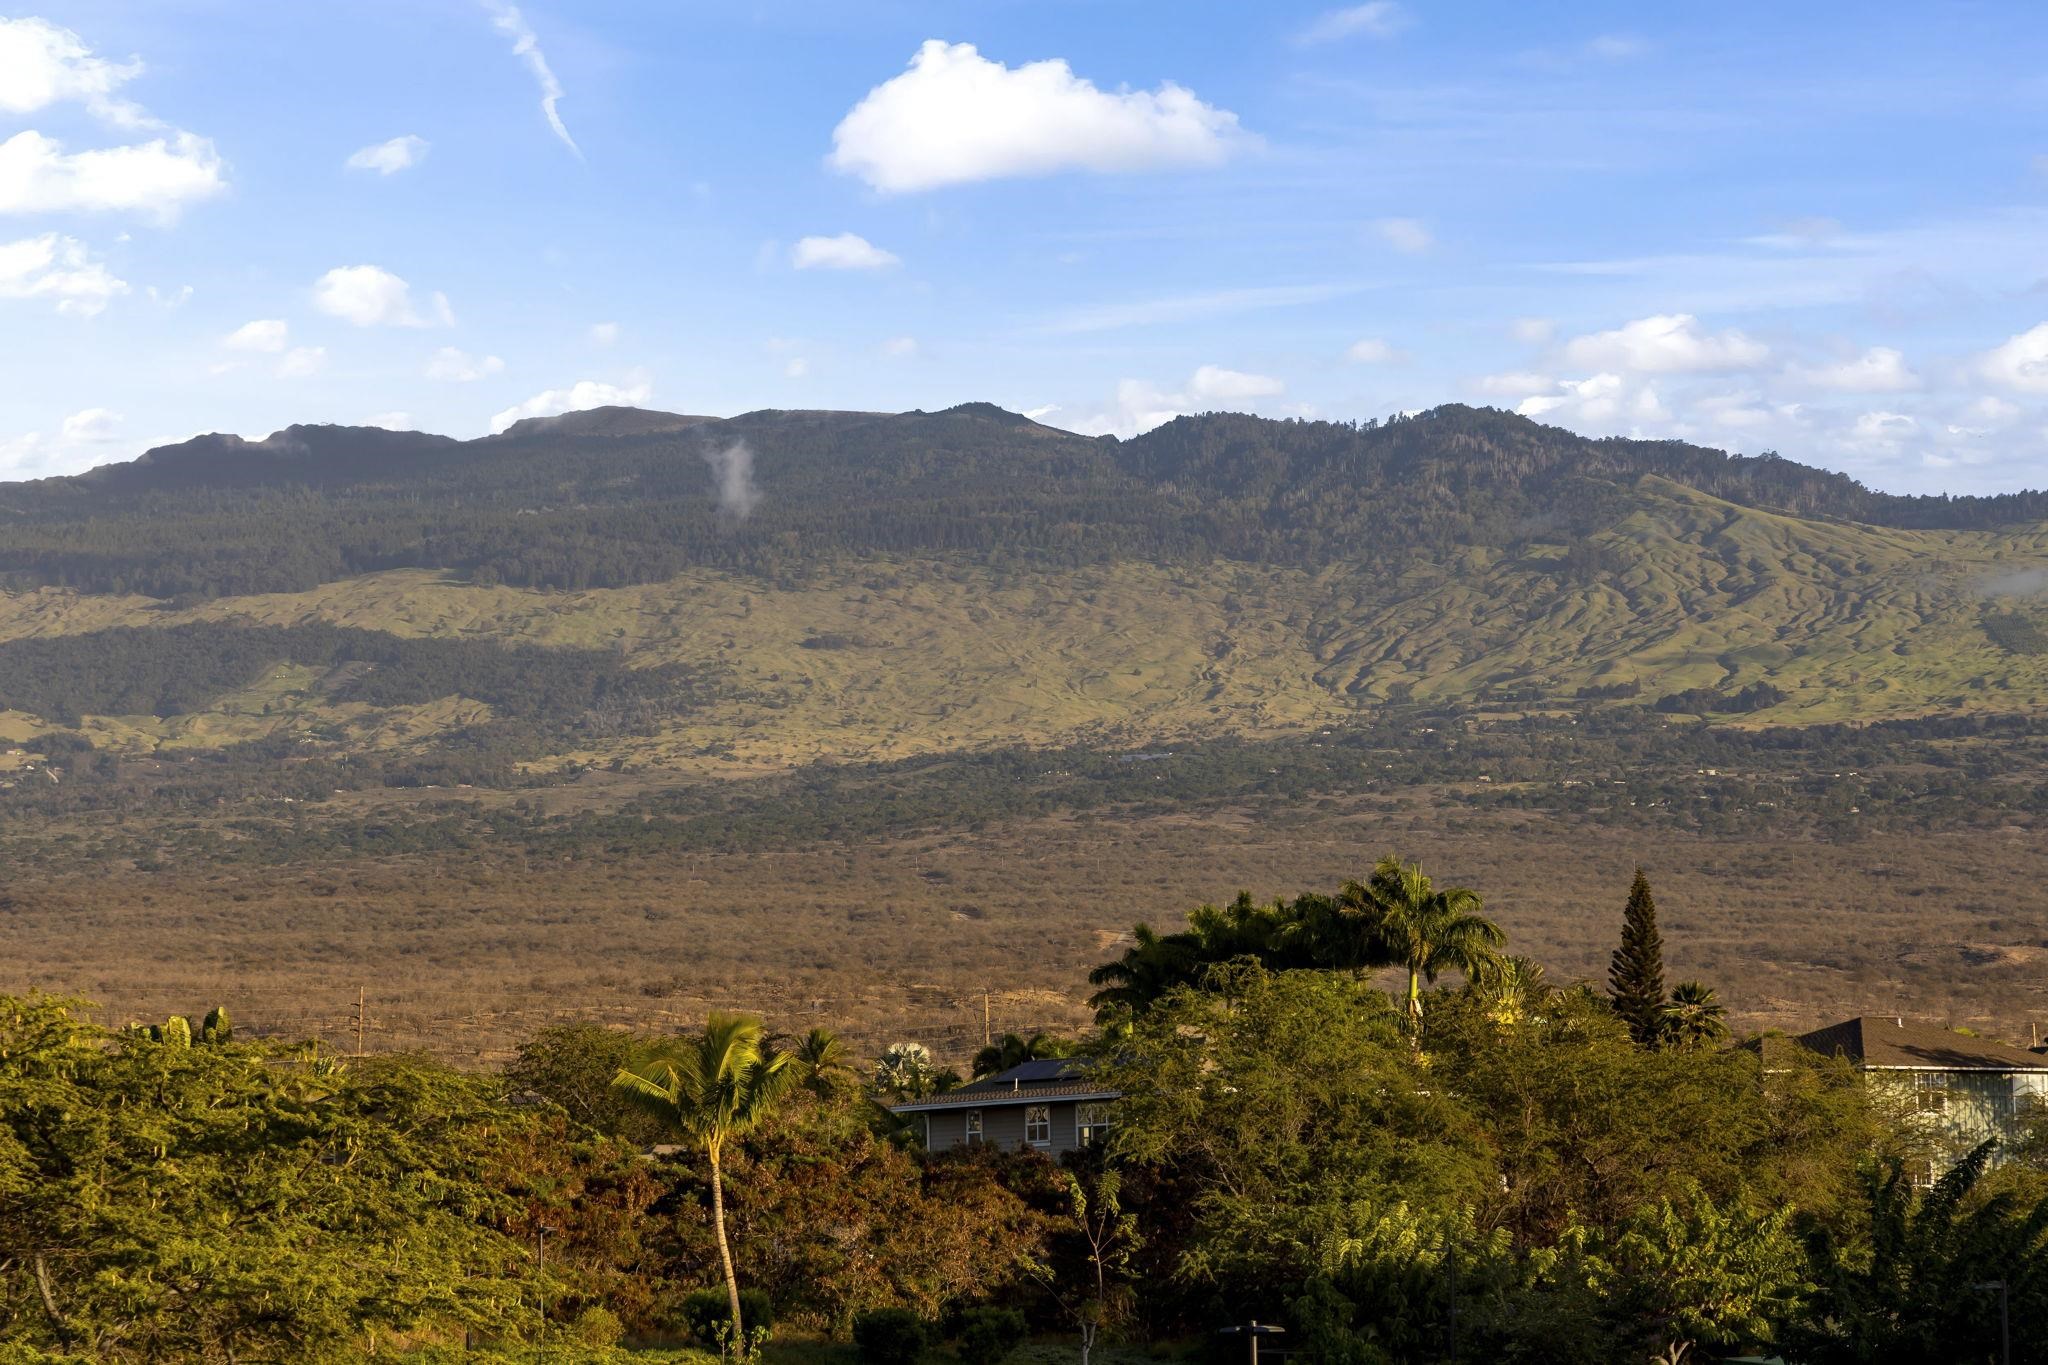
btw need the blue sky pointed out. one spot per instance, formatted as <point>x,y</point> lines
<point>1818,228</point>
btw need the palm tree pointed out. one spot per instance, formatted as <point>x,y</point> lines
<point>1424,930</point>
<point>1015,1049</point>
<point>711,1089</point>
<point>821,1058</point>
<point>1153,965</point>
<point>1693,1017</point>
<point>1513,990</point>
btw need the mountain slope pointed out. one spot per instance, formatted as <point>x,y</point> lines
<point>916,582</point>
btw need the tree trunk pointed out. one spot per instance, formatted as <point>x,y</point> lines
<point>61,1328</point>
<point>737,1346</point>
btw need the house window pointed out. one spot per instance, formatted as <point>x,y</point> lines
<point>1930,1092</point>
<point>973,1136</point>
<point>1091,1123</point>
<point>1038,1125</point>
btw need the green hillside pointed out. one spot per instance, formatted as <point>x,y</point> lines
<point>878,653</point>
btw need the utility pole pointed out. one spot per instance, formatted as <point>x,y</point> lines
<point>988,1037</point>
<point>359,1020</point>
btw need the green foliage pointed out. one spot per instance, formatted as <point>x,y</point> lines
<point>1635,975</point>
<point>167,671</point>
<point>988,1336</point>
<point>890,1336</point>
<point>572,1067</point>
<point>181,1203</point>
<point>1693,1016</point>
<point>216,1027</point>
<point>1914,1282</point>
<point>709,1089</point>
<point>707,1315</point>
<point>1012,1050</point>
<point>556,509</point>
<point>2015,632</point>
<point>1758,696</point>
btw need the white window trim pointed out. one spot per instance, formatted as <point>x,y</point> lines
<point>973,1130</point>
<point>1040,1114</point>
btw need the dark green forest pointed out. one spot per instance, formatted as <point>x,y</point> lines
<point>564,508</point>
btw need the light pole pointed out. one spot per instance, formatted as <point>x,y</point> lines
<point>2004,1319</point>
<point>1251,1332</point>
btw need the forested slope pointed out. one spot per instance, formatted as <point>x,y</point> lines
<point>788,586</point>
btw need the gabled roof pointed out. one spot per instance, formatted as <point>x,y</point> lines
<point>1885,1043</point>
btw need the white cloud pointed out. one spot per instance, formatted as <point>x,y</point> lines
<point>454,366</point>
<point>390,421</point>
<point>2020,363</point>
<point>388,158</point>
<point>75,445</point>
<point>1514,382</point>
<point>1214,384</point>
<point>584,393</point>
<point>1601,401</point>
<point>158,177</point>
<point>41,64</point>
<point>1993,411</point>
<point>169,298</point>
<point>59,269</point>
<point>843,252</point>
<point>1380,19</point>
<point>1881,431</point>
<point>526,46</point>
<point>956,117</point>
<point>1373,351</point>
<point>1731,411</point>
<point>900,348</point>
<point>369,296</point>
<point>1878,370</point>
<point>267,335</point>
<point>1532,331</point>
<point>604,333</point>
<point>92,426</point>
<point>1671,343</point>
<point>1406,235</point>
<point>796,367</point>
<point>1141,405</point>
<point>302,361</point>
<point>1616,47</point>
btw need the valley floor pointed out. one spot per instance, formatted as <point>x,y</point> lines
<point>463,954</point>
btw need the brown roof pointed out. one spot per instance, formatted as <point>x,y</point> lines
<point>1885,1043</point>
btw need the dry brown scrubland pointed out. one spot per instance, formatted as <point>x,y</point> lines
<point>465,954</point>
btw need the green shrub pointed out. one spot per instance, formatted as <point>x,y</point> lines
<point>889,1336</point>
<point>705,1314</point>
<point>598,1326</point>
<point>989,1335</point>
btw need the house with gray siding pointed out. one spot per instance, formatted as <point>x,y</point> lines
<point>1956,1089</point>
<point>1052,1106</point>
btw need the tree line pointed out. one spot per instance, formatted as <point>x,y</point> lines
<point>563,511</point>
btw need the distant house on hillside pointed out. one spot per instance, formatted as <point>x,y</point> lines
<point>1957,1089</point>
<point>1050,1106</point>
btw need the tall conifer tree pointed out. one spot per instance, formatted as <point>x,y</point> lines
<point>1635,977</point>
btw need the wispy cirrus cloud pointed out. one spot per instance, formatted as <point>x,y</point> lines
<point>1378,19</point>
<point>1192,307</point>
<point>391,156</point>
<point>507,19</point>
